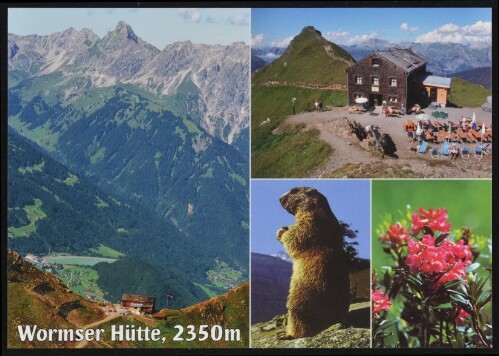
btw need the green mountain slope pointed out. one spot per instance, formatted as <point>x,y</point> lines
<point>309,58</point>
<point>125,140</point>
<point>39,298</point>
<point>52,209</point>
<point>225,319</point>
<point>466,94</point>
<point>312,68</point>
<point>136,276</point>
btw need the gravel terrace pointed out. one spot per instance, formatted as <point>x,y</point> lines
<point>422,165</point>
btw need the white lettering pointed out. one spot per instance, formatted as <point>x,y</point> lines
<point>30,333</point>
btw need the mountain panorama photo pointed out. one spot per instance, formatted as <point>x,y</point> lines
<point>128,171</point>
<point>164,163</point>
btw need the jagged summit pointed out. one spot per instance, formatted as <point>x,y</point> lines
<point>121,56</point>
<point>127,30</point>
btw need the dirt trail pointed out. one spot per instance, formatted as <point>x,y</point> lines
<point>84,343</point>
<point>422,165</point>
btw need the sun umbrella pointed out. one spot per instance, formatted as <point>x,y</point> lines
<point>361,100</point>
<point>483,128</point>
<point>439,114</point>
<point>424,117</point>
<point>474,118</point>
<point>419,130</point>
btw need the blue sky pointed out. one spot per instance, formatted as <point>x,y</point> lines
<point>349,200</point>
<point>156,26</point>
<point>276,27</point>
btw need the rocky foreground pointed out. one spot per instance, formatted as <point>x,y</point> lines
<point>356,335</point>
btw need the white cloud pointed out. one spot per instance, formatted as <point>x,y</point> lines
<point>335,35</point>
<point>270,56</point>
<point>480,31</point>
<point>192,15</point>
<point>257,39</point>
<point>405,27</point>
<point>239,20</point>
<point>282,43</point>
<point>362,38</point>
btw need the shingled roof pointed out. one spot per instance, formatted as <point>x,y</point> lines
<point>144,299</point>
<point>405,59</point>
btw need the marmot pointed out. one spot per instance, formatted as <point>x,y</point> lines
<point>319,292</point>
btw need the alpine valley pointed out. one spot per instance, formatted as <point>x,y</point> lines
<point>120,150</point>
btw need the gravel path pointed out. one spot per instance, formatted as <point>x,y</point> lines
<point>422,166</point>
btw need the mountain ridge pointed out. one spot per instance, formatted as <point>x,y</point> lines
<point>325,61</point>
<point>219,71</point>
<point>443,58</point>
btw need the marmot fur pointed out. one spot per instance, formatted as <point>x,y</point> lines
<point>319,289</point>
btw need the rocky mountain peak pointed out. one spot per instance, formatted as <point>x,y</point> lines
<point>120,56</point>
<point>125,29</point>
<point>310,29</point>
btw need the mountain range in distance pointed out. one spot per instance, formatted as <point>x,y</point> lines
<point>153,142</point>
<point>219,74</point>
<point>443,58</point>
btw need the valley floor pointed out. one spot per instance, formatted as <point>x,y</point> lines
<point>351,160</point>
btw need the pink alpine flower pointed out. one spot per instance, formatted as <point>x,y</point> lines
<point>460,316</point>
<point>448,258</point>
<point>380,301</point>
<point>436,220</point>
<point>396,235</point>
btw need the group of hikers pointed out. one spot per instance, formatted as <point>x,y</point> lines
<point>449,135</point>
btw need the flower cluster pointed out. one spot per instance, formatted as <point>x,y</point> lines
<point>396,235</point>
<point>461,315</point>
<point>448,260</point>
<point>380,301</point>
<point>436,220</point>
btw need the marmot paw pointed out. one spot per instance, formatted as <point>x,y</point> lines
<point>281,231</point>
<point>284,336</point>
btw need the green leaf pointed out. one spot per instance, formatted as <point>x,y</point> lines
<point>444,306</point>
<point>483,299</point>
<point>459,298</point>
<point>452,284</point>
<point>385,324</point>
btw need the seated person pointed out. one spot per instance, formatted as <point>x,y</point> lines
<point>453,151</point>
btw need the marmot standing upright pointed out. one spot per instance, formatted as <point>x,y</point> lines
<point>319,289</point>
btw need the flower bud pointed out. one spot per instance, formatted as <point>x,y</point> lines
<point>471,277</point>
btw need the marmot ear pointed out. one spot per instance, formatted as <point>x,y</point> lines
<point>294,190</point>
<point>310,190</point>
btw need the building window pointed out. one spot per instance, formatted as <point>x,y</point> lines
<point>376,81</point>
<point>393,99</point>
<point>375,62</point>
<point>358,80</point>
<point>393,82</point>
